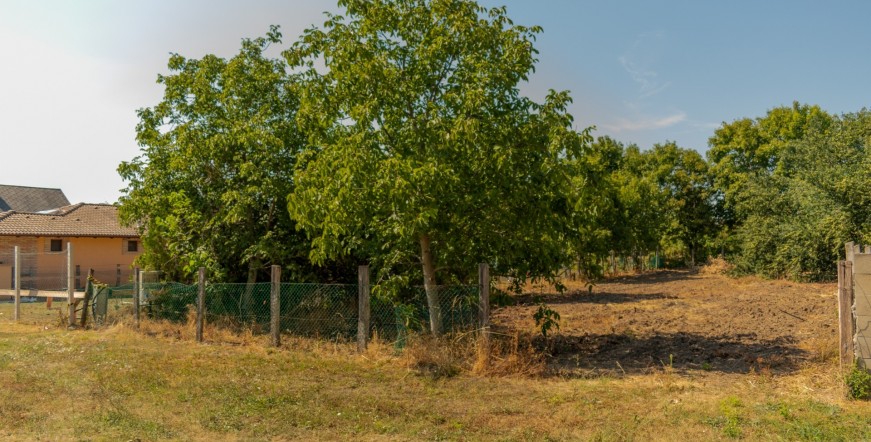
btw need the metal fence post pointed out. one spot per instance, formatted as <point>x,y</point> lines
<point>201,302</point>
<point>71,286</point>
<point>363,307</point>
<point>275,306</point>
<point>137,288</point>
<point>17,276</point>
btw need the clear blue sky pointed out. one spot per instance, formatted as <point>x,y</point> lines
<point>73,73</point>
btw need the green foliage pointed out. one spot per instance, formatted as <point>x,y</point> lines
<point>396,134</point>
<point>858,382</point>
<point>172,303</point>
<point>749,148</point>
<point>731,409</point>
<point>793,219</point>
<point>682,176</point>
<point>217,155</point>
<point>546,319</point>
<point>633,202</point>
<point>425,153</point>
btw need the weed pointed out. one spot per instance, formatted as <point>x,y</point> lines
<point>858,382</point>
<point>546,318</point>
<point>731,409</point>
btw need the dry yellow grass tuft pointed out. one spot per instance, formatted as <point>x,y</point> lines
<point>499,356</point>
<point>716,266</point>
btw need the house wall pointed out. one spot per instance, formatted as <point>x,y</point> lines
<point>27,249</point>
<point>46,270</point>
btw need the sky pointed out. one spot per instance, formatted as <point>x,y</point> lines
<point>73,73</point>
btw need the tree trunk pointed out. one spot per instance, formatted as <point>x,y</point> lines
<point>429,284</point>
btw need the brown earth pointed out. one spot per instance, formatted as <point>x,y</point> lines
<point>683,321</point>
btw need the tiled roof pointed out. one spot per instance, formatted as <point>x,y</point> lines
<point>79,220</point>
<point>30,199</point>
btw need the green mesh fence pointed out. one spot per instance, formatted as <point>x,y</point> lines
<point>458,307</point>
<point>316,310</point>
<point>170,300</point>
<point>237,305</point>
<point>319,310</point>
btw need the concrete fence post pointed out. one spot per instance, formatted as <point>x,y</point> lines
<point>275,306</point>
<point>137,289</point>
<point>484,310</point>
<point>484,295</point>
<point>363,307</point>
<point>17,275</point>
<point>71,286</point>
<point>201,302</point>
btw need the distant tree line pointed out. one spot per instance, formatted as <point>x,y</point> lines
<point>396,135</point>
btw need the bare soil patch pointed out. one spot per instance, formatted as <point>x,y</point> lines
<point>679,320</point>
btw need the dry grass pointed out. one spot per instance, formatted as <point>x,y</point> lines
<point>120,384</point>
<point>498,356</point>
<point>156,383</point>
<point>716,266</point>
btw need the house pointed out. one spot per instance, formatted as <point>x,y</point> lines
<point>99,242</point>
<point>30,199</point>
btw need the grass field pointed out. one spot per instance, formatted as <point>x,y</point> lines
<point>117,384</point>
<point>155,384</point>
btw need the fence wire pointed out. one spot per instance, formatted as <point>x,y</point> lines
<point>327,311</point>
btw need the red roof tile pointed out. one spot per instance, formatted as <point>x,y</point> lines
<point>78,220</point>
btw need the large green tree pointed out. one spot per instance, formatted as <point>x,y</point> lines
<point>216,165</point>
<point>688,209</point>
<point>748,148</point>
<point>424,151</point>
<point>597,212</point>
<point>798,218</point>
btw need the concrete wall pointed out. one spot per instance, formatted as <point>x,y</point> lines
<point>862,307</point>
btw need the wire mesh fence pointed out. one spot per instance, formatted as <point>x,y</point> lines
<point>52,272</point>
<point>327,311</point>
<point>457,311</point>
<point>319,310</point>
<point>34,311</point>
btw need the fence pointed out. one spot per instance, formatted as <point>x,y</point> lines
<point>332,311</point>
<point>28,276</point>
<point>854,306</point>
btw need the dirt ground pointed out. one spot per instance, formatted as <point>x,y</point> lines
<point>683,321</point>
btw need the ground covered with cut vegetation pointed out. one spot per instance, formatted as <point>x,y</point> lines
<point>749,359</point>
<point>686,321</point>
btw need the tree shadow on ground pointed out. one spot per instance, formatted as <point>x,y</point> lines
<point>654,277</point>
<point>624,353</point>
<point>583,297</point>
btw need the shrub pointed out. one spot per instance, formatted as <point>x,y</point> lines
<point>858,382</point>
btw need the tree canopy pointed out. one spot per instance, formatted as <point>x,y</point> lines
<point>210,186</point>
<point>396,134</point>
<point>424,152</point>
